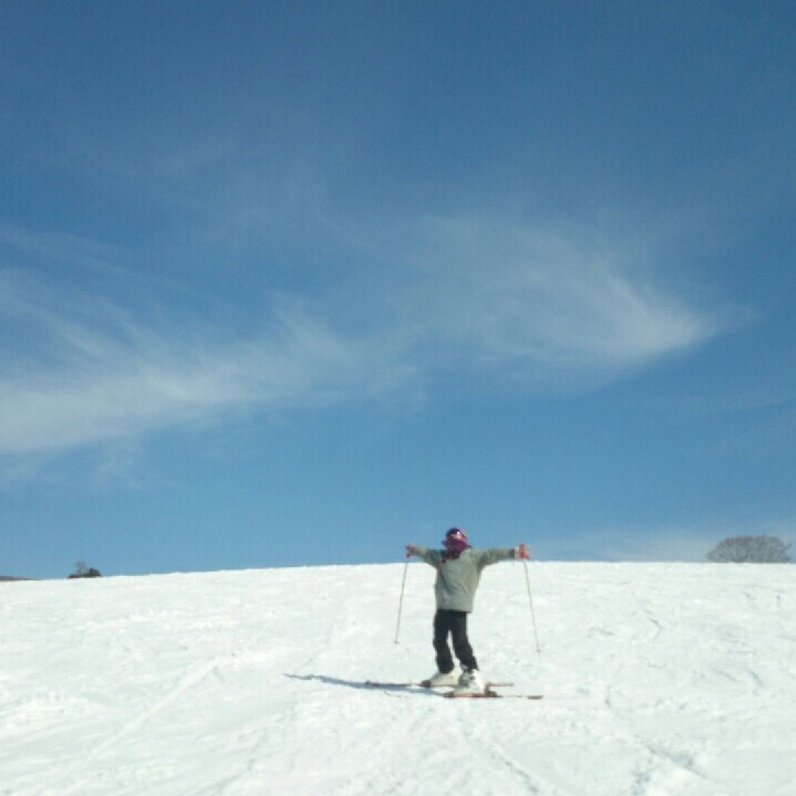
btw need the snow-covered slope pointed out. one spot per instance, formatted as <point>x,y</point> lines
<point>670,680</point>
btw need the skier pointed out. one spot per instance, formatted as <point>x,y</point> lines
<point>458,568</point>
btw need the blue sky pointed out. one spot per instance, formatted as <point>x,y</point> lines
<point>287,284</point>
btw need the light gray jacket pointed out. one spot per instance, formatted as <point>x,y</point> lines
<point>457,578</point>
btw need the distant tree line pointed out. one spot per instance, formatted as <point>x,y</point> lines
<point>751,550</point>
<point>84,571</point>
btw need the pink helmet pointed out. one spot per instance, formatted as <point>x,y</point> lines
<point>455,543</point>
<point>455,533</point>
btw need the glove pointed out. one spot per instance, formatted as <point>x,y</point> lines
<point>521,551</point>
<point>410,550</point>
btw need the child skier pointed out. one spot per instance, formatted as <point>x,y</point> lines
<point>458,568</point>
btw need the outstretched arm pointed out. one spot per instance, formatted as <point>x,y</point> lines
<point>432,557</point>
<point>495,554</point>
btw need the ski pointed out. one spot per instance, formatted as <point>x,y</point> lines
<point>423,684</point>
<point>489,694</point>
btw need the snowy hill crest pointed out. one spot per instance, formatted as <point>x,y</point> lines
<point>659,679</point>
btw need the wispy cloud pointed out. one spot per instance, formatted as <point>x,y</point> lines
<point>550,303</point>
<point>56,246</point>
<point>666,543</point>
<point>108,376</point>
<point>639,544</point>
<point>528,304</point>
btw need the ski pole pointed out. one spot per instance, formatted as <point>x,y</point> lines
<point>401,602</point>
<point>530,602</point>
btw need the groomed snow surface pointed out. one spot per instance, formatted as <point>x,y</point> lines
<point>658,680</point>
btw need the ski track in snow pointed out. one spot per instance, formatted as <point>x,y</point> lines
<point>659,680</point>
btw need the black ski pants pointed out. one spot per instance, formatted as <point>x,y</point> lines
<point>455,623</point>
